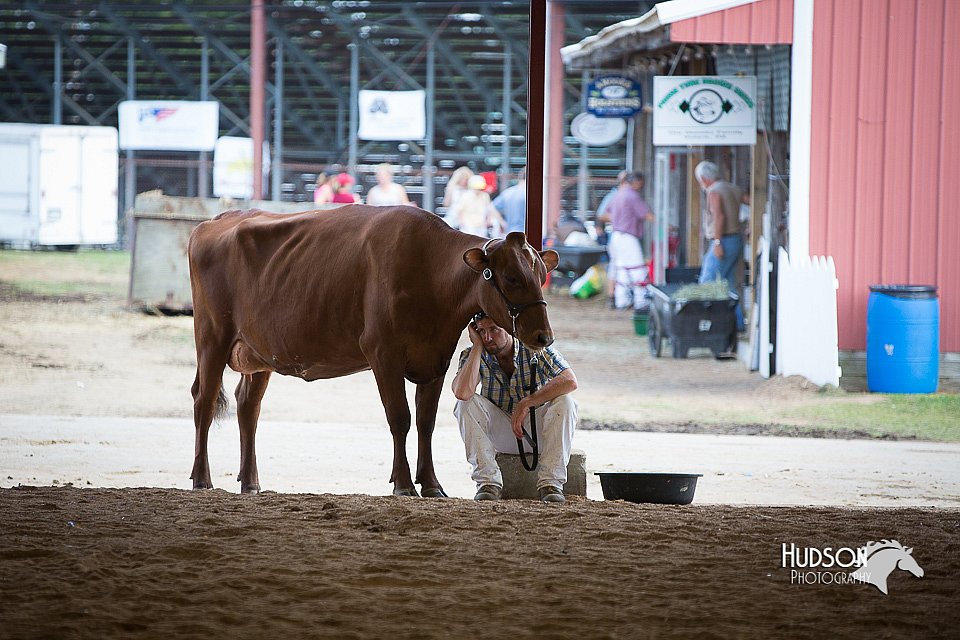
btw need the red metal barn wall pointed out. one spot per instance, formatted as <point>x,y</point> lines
<point>761,22</point>
<point>885,152</point>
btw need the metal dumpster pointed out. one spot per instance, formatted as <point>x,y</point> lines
<point>160,228</point>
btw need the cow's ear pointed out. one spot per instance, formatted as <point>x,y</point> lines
<point>476,259</point>
<point>550,259</point>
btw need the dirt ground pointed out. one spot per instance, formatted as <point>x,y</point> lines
<point>80,356</point>
<point>163,563</point>
<point>147,562</point>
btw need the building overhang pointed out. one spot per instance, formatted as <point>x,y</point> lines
<point>649,32</point>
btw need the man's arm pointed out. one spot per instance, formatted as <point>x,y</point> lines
<point>564,383</point>
<point>466,381</point>
<point>716,208</point>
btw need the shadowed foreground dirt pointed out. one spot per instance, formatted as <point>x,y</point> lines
<point>92,563</point>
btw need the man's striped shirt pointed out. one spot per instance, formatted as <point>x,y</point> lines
<point>506,393</point>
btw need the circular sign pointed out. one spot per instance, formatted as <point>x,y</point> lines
<point>597,132</point>
<point>706,106</point>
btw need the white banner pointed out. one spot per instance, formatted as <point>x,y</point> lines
<point>169,125</point>
<point>393,115</point>
<point>704,110</point>
<point>233,167</point>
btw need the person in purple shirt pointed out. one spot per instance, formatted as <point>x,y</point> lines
<point>628,211</point>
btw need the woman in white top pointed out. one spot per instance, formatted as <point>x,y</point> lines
<point>473,212</point>
<point>387,192</point>
<point>456,186</point>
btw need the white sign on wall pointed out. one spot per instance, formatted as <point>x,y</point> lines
<point>169,125</point>
<point>233,167</point>
<point>704,110</point>
<point>597,132</point>
<point>392,115</point>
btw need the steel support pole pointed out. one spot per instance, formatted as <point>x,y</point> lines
<point>275,171</point>
<point>584,156</point>
<point>428,169</point>
<point>556,122</point>
<point>507,112</point>
<point>535,121</point>
<point>58,80</point>
<point>258,80</point>
<point>341,123</point>
<point>130,168</point>
<point>354,104</point>
<point>203,183</point>
<point>631,129</point>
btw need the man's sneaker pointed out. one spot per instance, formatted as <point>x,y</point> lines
<point>551,494</point>
<point>488,492</point>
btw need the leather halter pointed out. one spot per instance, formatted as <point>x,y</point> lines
<point>515,310</point>
<point>512,308</point>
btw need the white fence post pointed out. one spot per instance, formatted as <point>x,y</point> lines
<point>807,342</point>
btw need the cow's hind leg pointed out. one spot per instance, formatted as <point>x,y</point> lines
<point>427,398</point>
<point>249,394</point>
<point>209,402</point>
<point>394,398</point>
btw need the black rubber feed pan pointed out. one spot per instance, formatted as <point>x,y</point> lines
<point>656,488</point>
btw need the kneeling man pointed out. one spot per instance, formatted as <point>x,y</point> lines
<point>491,421</point>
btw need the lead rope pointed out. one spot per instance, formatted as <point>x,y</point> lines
<point>532,437</point>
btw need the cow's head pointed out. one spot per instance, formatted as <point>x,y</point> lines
<point>512,294</point>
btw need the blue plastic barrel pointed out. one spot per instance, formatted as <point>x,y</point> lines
<point>903,339</point>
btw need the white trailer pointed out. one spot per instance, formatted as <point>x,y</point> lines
<point>58,185</point>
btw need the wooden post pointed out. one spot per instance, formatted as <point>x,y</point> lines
<point>694,231</point>
<point>759,187</point>
<point>535,128</point>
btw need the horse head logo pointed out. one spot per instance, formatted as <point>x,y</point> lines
<point>881,560</point>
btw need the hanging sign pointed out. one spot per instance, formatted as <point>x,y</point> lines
<point>392,115</point>
<point>169,125</point>
<point>704,110</point>
<point>614,97</point>
<point>233,167</point>
<point>597,132</point>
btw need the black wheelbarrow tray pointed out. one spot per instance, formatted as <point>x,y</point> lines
<point>691,323</point>
<point>577,260</point>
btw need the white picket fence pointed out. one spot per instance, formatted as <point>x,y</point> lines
<point>807,342</point>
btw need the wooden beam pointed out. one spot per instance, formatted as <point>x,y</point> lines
<point>694,231</point>
<point>535,125</point>
<point>759,188</point>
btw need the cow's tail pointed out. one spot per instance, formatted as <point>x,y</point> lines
<point>222,404</point>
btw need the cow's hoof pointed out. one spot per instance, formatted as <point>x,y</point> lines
<point>251,490</point>
<point>202,485</point>
<point>407,493</point>
<point>433,492</point>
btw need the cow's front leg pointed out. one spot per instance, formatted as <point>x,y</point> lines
<point>394,398</point>
<point>427,398</point>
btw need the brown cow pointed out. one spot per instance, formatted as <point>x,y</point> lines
<point>322,295</point>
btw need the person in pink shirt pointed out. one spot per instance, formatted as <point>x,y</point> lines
<point>628,211</point>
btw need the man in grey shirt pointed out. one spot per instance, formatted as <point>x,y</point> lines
<point>722,230</point>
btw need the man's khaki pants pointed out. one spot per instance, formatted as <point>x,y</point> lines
<point>486,431</point>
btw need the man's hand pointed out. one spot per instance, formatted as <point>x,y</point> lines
<point>718,250</point>
<point>474,335</point>
<point>520,412</point>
